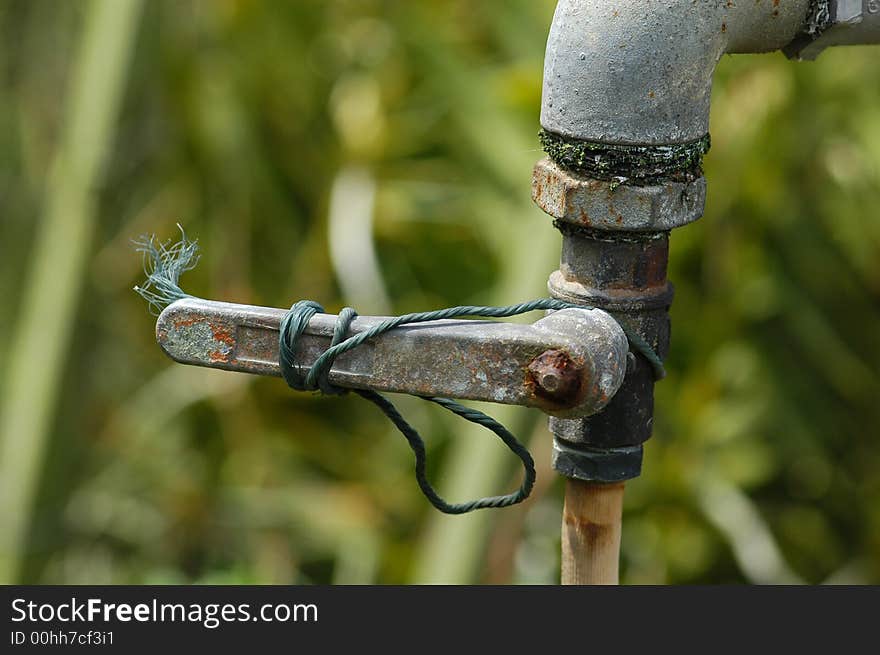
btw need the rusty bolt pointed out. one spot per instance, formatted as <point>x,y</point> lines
<point>555,376</point>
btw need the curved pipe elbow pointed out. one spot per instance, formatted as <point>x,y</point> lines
<point>639,72</point>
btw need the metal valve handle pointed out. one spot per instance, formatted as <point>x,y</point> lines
<point>569,363</point>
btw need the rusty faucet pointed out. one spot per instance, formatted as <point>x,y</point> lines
<point>625,118</point>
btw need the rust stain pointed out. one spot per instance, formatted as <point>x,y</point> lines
<point>553,375</point>
<point>600,394</point>
<point>723,27</point>
<point>218,356</point>
<point>187,322</point>
<point>612,210</point>
<point>583,216</point>
<point>655,266</point>
<point>650,94</point>
<point>222,333</point>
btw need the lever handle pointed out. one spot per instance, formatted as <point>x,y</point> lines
<point>569,363</point>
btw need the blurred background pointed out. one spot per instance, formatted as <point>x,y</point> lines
<point>378,154</point>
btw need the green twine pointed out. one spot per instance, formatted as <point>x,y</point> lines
<point>165,262</point>
<point>293,326</point>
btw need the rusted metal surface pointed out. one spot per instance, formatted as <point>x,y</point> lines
<point>478,360</point>
<point>605,205</point>
<point>624,273</point>
<point>612,270</point>
<point>555,375</point>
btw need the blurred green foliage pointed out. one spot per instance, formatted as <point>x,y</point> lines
<point>414,124</point>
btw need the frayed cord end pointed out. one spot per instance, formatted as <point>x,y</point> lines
<point>164,263</point>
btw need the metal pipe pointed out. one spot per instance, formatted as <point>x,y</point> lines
<point>626,94</point>
<point>569,363</point>
<point>836,23</point>
<point>640,71</point>
<point>625,274</point>
<point>625,110</point>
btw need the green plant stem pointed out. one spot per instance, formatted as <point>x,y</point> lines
<point>452,549</point>
<point>52,285</point>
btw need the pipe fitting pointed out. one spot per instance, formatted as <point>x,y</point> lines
<point>602,205</point>
<point>625,113</point>
<point>626,274</point>
<point>837,22</point>
<point>639,72</point>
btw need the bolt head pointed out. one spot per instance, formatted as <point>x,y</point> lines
<point>550,382</point>
<point>555,376</point>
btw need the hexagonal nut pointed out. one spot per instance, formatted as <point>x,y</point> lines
<point>605,205</point>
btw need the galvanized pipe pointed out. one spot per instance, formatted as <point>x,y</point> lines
<point>620,74</point>
<point>640,71</point>
<point>627,85</point>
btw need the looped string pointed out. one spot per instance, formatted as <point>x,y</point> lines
<point>317,379</point>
